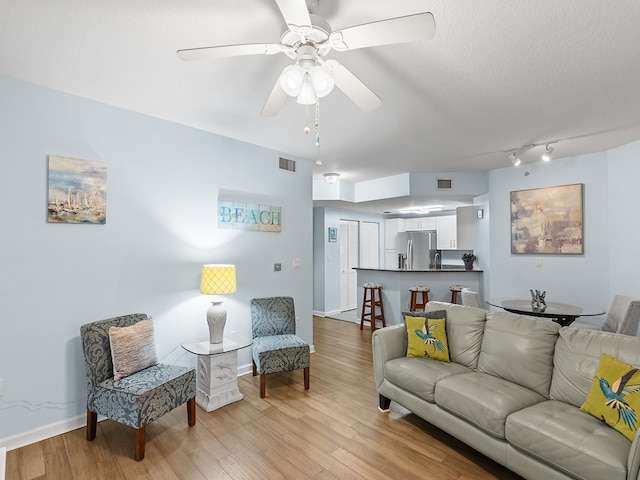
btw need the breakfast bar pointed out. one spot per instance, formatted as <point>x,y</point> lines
<point>396,283</point>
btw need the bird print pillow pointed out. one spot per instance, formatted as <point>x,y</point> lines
<point>614,397</point>
<point>427,337</point>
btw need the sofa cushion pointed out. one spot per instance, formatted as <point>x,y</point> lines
<point>572,441</point>
<point>420,375</point>
<point>465,326</point>
<point>427,337</point>
<point>615,396</point>
<point>483,400</point>
<point>577,356</point>
<point>519,348</point>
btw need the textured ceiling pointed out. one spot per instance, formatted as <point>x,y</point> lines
<point>498,75</point>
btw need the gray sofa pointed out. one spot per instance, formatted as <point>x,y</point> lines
<point>513,391</point>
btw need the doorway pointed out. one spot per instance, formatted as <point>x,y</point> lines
<point>349,242</point>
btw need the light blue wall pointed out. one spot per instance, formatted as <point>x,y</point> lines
<point>326,289</point>
<point>566,278</point>
<point>623,210</point>
<point>163,183</point>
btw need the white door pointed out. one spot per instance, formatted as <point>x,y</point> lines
<point>370,245</point>
<point>349,240</point>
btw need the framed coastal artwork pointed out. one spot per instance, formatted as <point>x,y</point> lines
<point>77,191</point>
<point>547,220</point>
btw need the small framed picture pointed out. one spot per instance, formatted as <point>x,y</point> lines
<point>333,234</point>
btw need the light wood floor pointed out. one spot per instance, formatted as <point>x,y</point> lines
<point>332,431</point>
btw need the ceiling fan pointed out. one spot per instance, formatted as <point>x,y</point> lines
<point>307,39</point>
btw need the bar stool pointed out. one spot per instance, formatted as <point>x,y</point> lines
<point>372,298</point>
<point>455,290</point>
<point>414,304</point>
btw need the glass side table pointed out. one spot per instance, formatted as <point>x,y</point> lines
<point>217,370</point>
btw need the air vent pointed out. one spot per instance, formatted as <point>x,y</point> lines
<point>288,165</point>
<point>444,184</point>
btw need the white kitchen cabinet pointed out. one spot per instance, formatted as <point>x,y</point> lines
<point>447,232</point>
<point>464,221</point>
<point>423,223</point>
<point>392,227</point>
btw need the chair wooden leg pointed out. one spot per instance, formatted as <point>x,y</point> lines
<point>92,422</point>
<point>263,385</point>
<point>306,378</point>
<point>138,447</point>
<point>191,411</point>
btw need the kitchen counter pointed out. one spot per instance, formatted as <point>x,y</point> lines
<point>444,269</point>
<point>395,286</point>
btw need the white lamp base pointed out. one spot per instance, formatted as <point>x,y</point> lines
<point>216,318</point>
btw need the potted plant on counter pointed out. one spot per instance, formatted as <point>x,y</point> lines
<point>468,259</point>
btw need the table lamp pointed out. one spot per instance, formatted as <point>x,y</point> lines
<point>217,280</point>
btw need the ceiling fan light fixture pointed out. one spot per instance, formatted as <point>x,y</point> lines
<point>322,82</point>
<point>331,177</point>
<point>307,95</point>
<point>292,80</point>
<point>546,156</point>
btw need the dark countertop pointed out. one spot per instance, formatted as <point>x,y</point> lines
<point>444,269</point>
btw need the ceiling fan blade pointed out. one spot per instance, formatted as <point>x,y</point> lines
<point>353,87</point>
<point>411,28</point>
<point>295,13</point>
<point>275,100</point>
<point>223,51</point>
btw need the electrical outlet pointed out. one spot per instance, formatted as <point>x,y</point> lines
<point>296,263</point>
<point>297,321</point>
<point>538,262</point>
<point>277,267</point>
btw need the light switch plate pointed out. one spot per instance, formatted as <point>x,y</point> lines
<point>296,263</point>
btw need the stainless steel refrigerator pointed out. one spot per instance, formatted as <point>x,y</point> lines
<point>419,249</point>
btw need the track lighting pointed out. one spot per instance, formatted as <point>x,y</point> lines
<point>331,177</point>
<point>546,156</point>
<point>515,160</point>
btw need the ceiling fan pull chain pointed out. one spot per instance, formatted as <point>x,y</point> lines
<point>317,123</point>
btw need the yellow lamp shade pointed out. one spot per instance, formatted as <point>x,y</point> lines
<point>218,279</point>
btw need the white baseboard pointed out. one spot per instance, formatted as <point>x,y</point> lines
<point>42,433</point>
<point>3,462</point>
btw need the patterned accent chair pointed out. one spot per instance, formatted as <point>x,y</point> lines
<point>137,399</point>
<point>276,347</point>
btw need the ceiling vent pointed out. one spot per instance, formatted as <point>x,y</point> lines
<point>288,165</point>
<point>444,184</point>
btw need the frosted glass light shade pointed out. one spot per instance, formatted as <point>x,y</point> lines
<point>322,82</point>
<point>291,80</point>
<point>218,279</point>
<point>307,95</point>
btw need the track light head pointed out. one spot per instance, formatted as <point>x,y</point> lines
<point>546,156</point>
<point>515,160</point>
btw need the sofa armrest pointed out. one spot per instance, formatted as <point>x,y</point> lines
<point>387,343</point>
<point>633,462</point>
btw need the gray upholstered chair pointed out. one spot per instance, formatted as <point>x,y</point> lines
<point>470,298</point>
<point>137,399</point>
<point>276,347</point>
<point>623,316</point>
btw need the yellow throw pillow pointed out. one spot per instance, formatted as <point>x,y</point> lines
<point>427,337</point>
<point>614,396</point>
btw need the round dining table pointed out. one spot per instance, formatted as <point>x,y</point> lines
<point>562,313</point>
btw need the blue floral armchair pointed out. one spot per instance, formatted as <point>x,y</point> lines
<point>276,347</point>
<point>137,399</point>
